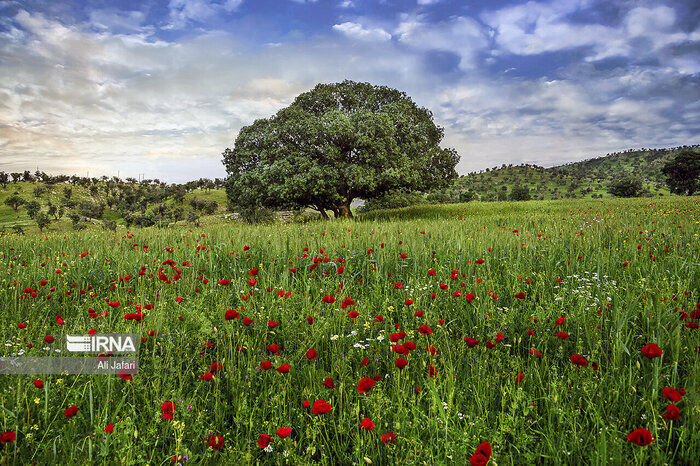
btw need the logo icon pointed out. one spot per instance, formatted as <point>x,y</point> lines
<point>78,344</point>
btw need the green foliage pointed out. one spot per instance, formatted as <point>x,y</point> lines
<point>42,220</point>
<point>39,190</point>
<point>109,225</point>
<point>32,208</point>
<point>192,217</point>
<point>14,201</point>
<point>91,209</point>
<point>626,186</point>
<point>467,196</point>
<point>336,143</point>
<point>520,193</point>
<point>257,215</point>
<point>393,200</point>
<point>683,172</point>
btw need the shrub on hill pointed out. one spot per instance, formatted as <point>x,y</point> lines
<point>626,186</point>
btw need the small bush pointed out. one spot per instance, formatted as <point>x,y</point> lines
<point>393,200</point>
<point>257,215</point>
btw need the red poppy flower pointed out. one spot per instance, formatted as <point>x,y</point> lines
<point>432,372</point>
<point>431,272</point>
<point>672,394</point>
<point>672,412</point>
<point>364,385</point>
<point>167,408</point>
<point>408,302</point>
<point>400,363</point>
<point>378,318</point>
<point>354,314</point>
<point>641,437</point>
<point>311,354</point>
<point>231,314</point>
<point>305,403</point>
<point>70,412</point>
<point>431,350</point>
<point>425,330</point>
<point>284,432</point>
<point>247,321</point>
<point>578,360</point>
<point>208,376</point>
<point>563,335</point>
<point>266,365</point>
<point>367,424</point>
<point>520,377</point>
<point>216,367</point>
<point>272,323</point>
<point>38,383</point>
<point>481,455</point>
<point>8,437</point>
<point>224,282</point>
<point>310,320</point>
<point>283,369</point>
<point>321,407</point>
<point>264,440</point>
<point>471,342</point>
<point>109,428</point>
<point>125,376</point>
<point>49,339</point>
<point>328,299</point>
<point>529,332</point>
<point>490,344</point>
<point>559,321</point>
<point>216,442</point>
<point>328,382</point>
<point>254,272</point>
<point>21,325</point>
<point>388,438</point>
<point>409,345</point>
<point>652,351</point>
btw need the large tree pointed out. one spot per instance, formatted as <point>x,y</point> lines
<point>336,143</point>
<point>683,172</point>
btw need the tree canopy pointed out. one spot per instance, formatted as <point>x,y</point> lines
<point>683,172</point>
<point>626,186</point>
<point>336,143</point>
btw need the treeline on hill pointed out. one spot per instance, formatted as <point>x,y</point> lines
<point>632,173</point>
<point>40,199</point>
<point>71,202</point>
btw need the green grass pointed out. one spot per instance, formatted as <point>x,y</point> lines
<point>567,257</point>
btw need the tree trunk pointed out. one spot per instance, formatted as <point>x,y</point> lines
<point>344,210</point>
<point>323,212</point>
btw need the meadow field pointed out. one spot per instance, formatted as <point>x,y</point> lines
<point>543,332</point>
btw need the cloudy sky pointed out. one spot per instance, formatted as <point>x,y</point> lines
<point>162,88</point>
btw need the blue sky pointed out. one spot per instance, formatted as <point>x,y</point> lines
<point>163,87</point>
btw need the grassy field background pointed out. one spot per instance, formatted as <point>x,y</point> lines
<point>620,273</point>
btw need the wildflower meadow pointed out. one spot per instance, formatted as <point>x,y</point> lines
<point>552,332</point>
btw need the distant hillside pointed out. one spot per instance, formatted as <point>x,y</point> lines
<point>586,179</point>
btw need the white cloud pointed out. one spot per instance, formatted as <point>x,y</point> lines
<point>184,11</point>
<point>357,31</point>
<point>460,35</point>
<point>534,27</point>
<point>428,2</point>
